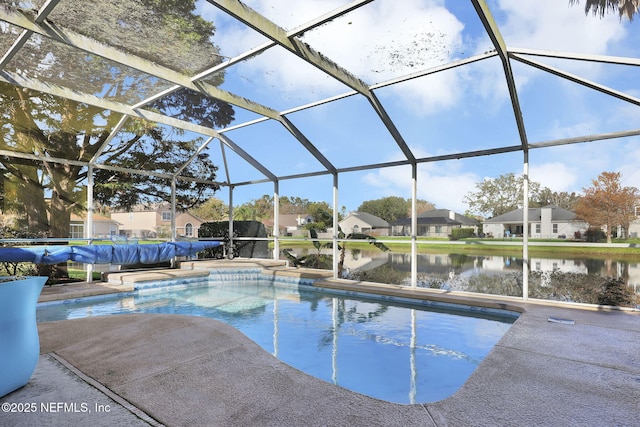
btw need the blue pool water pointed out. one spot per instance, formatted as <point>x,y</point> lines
<point>398,353</point>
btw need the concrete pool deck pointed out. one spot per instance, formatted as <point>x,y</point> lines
<point>178,370</point>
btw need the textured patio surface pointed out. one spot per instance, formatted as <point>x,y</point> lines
<point>180,370</point>
<point>73,291</point>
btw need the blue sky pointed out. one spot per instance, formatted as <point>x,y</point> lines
<point>467,108</point>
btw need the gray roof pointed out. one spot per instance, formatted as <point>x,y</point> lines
<point>372,220</point>
<point>437,220</point>
<point>558,214</point>
<point>438,216</point>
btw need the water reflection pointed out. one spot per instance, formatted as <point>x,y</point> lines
<point>577,279</point>
<point>445,263</point>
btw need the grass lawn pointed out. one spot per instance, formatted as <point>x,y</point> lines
<point>476,247</point>
<point>82,275</point>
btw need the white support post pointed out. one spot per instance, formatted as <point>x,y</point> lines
<point>336,253</point>
<point>174,233</point>
<point>276,220</point>
<point>88,230</point>
<point>414,225</point>
<point>230,247</point>
<point>525,228</point>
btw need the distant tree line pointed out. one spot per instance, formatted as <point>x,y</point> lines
<point>497,196</point>
<point>606,204</point>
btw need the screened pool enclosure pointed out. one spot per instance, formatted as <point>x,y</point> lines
<point>323,99</point>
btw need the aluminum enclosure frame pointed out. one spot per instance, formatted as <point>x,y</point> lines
<point>40,24</point>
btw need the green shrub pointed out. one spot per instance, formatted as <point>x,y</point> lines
<point>616,292</point>
<point>594,234</point>
<point>461,233</point>
<point>382,274</point>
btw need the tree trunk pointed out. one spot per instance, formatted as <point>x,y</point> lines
<point>60,217</point>
<point>31,197</point>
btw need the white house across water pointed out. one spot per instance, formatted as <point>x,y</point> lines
<point>548,222</point>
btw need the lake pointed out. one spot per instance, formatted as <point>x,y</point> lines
<point>576,279</point>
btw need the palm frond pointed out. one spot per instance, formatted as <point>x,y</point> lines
<point>372,240</point>
<point>626,8</point>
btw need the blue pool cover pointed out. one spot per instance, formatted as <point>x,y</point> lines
<point>104,254</point>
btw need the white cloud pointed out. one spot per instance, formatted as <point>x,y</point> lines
<point>377,42</point>
<point>553,25</point>
<point>554,175</point>
<point>628,165</point>
<point>550,25</point>
<point>381,40</point>
<point>288,14</point>
<point>443,184</point>
<point>443,188</point>
<point>584,127</point>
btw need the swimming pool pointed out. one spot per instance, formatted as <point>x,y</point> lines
<point>401,353</point>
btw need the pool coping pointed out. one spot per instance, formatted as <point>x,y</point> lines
<point>541,372</point>
<point>126,281</point>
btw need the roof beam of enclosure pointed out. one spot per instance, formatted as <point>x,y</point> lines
<point>602,59</point>
<point>17,80</point>
<point>193,156</point>
<point>75,40</point>
<point>498,42</point>
<point>576,79</point>
<point>24,36</point>
<point>247,157</point>
<point>258,50</point>
<point>74,95</point>
<point>117,128</point>
<point>454,156</point>
<point>293,33</point>
<point>307,144</point>
<point>223,152</point>
<point>411,76</point>
<point>302,50</point>
<point>277,34</point>
<point>40,158</point>
<point>587,138</point>
<point>436,69</point>
<point>21,81</point>
<point>78,41</point>
<point>396,80</point>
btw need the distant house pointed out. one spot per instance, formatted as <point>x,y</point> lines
<point>103,227</point>
<point>634,227</point>
<point>548,222</point>
<point>434,223</point>
<point>155,221</point>
<point>290,224</point>
<point>363,222</point>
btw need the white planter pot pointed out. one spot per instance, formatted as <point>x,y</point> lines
<point>19,342</point>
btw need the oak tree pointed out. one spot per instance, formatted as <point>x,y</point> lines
<point>497,196</point>
<point>562,199</point>
<point>392,208</point>
<point>49,127</point>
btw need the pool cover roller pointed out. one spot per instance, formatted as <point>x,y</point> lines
<point>104,254</point>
